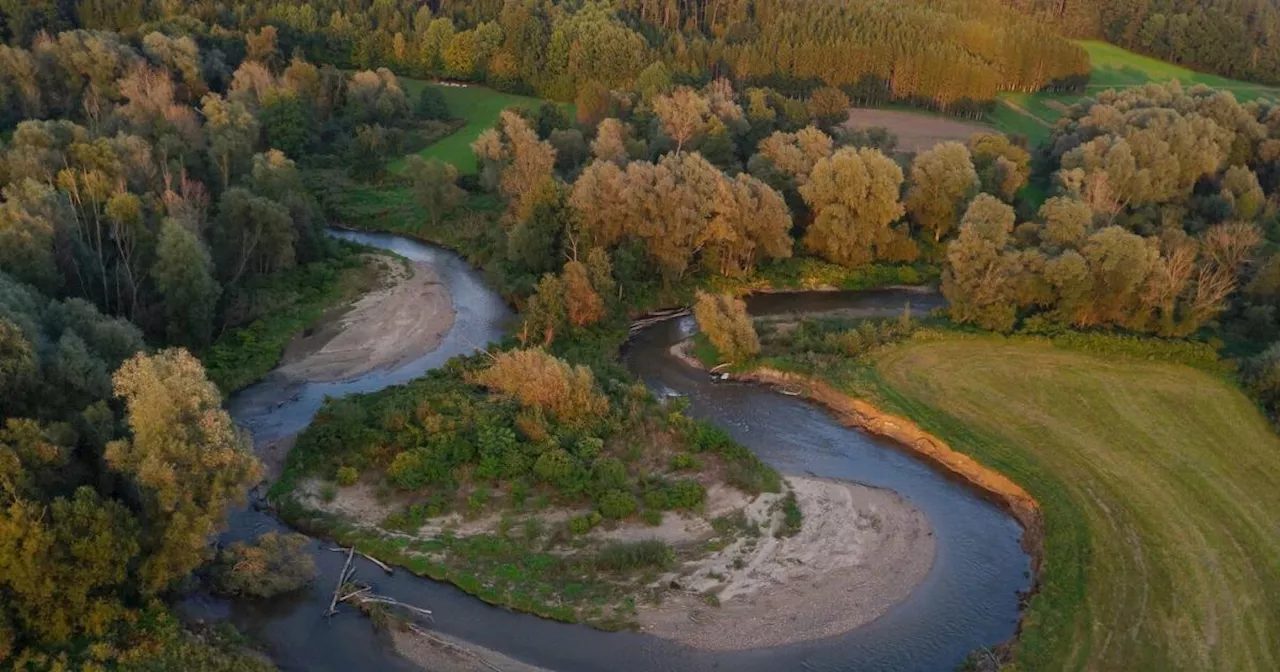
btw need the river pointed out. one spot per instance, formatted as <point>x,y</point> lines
<point>968,600</point>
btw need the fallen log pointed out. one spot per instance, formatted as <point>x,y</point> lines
<point>381,599</point>
<point>385,567</point>
<point>342,580</point>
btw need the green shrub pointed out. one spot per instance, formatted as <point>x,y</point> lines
<point>685,462</point>
<point>651,517</point>
<point>477,500</point>
<point>554,466</point>
<point>347,476</point>
<point>328,492</point>
<point>583,524</point>
<point>685,494</point>
<point>588,447</point>
<point>619,557</point>
<point>705,438</point>
<point>616,504</point>
<point>609,474</point>
<point>655,499</point>
<point>792,518</point>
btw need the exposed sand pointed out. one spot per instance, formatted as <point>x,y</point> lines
<point>405,319</point>
<point>916,131</point>
<point>442,653</point>
<point>860,551</point>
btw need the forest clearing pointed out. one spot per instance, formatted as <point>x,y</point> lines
<point>916,131</point>
<point>1034,114</point>
<point>478,105</point>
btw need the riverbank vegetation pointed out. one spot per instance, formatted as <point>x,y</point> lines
<point>1121,295</point>
<point>138,207</point>
<point>518,454</point>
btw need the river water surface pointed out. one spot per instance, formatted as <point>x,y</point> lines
<point>968,600</point>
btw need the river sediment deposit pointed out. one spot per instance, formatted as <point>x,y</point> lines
<point>967,597</point>
<point>403,320</point>
<point>859,551</point>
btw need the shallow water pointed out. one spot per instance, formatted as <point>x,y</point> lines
<point>968,600</point>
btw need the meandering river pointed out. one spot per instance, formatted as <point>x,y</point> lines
<point>968,600</point>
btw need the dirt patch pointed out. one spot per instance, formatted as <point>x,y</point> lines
<point>860,550</point>
<point>405,319</point>
<point>916,131</point>
<point>441,653</point>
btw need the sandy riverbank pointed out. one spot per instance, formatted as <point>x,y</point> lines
<point>405,319</point>
<point>860,550</point>
<point>852,412</point>
<point>438,652</point>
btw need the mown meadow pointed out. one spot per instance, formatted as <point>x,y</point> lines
<point>1157,477</point>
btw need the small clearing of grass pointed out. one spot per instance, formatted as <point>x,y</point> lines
<point>296,297</point>
<point>478,105</point>
<point>1114,67</point>
<point>1160,487</point>
<point>1034,114</point>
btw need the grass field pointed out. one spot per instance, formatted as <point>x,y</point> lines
<point>478,105</point>
<point>1033,114</point>
<point>1160,486</point>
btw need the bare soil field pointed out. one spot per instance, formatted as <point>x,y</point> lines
<point>916,131</point>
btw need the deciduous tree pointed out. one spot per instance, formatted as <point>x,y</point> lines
<point>942,182</point>
<point>185,457</point>
<point>854,199</point>
<point>724,320</point>
<point>183,273</point>
<point>435,187</point>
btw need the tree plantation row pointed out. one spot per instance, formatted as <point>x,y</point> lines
<point>952,55</point>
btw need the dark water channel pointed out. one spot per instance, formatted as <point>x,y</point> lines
<point>969,598</point>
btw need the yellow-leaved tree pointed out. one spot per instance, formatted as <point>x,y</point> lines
<point>186,461</point>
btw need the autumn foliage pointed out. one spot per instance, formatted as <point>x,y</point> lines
<point>724,320</point>
<point>541,381</point>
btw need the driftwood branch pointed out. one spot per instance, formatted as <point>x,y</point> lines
<point>385,567</point>
<point>354,593</point>
<point>381,599</point>
<point>342,579</point>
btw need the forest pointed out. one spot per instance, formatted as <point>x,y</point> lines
<point>951,55</point>
<point>167,171</point>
